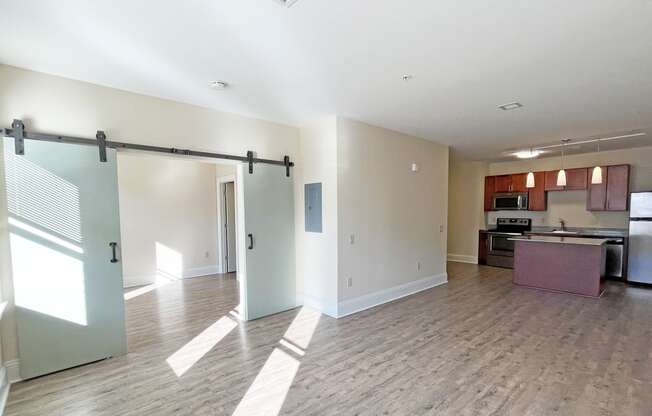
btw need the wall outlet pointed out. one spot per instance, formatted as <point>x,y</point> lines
<point>441,228</point>
<point>349,282</point>
<point>352,239</point>
<point>418,266</point>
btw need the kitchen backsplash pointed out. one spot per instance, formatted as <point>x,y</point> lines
<point>570,206</point>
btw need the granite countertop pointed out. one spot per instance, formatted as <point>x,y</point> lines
<point>581,232</point>
<point>562,240</point>
<point>575,232</point>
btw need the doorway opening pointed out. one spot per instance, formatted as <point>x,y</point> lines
<point>227,219</point>
<point>176,253</point>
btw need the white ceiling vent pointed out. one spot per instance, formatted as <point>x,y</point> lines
<point>510,106</point>
<point>287,3</point>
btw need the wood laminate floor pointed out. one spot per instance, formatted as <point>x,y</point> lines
<point>476,346</point>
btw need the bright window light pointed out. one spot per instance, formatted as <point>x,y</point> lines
<point>267,393</point>
<point>160,282</point>
<point>183,360</point>
<point>303,327</point>
<point>47,280</point>
<point>41,197</point>
<point>45,236</point>
<point>168,261</point>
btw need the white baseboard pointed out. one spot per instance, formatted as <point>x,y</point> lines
<point>201,271</point>
<point>13,370</point>
<point>317,304</point>
<point>351,306</point>
<point>462,258</point>
<point>148,279</point>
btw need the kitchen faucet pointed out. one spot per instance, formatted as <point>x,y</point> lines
<point>563,224</point>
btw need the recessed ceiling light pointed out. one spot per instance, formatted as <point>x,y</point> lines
<point>510,106</point>
<point>218,85</point>
<point>287,3</point>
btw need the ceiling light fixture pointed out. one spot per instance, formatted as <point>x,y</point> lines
<point>510,106</point>
<point>287,3</point>
<point>527,154</point>
<point>596,177</point>
<point>218,85</point>
<point>561,176</point>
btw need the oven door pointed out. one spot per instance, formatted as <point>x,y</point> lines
<point>501,245</point>
<point>513,201</point>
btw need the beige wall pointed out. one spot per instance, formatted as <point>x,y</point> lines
<point>394,214</point>
<point>167,203</point>
<point>58,105</point>
<point>465,195</point>
<point>317,252</point>
<point>570,205</point>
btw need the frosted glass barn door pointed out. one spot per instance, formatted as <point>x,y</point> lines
<point>63,223</point>
<point>266,218</point>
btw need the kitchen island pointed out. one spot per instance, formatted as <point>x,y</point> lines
<point>562,264</point>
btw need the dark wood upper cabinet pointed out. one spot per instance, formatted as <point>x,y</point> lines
<point>489,188</point>
<point>550,181</point>
<point>611,195</point>
<point>596,197</point>
<point>503,183</point>
<point>576,179</point>
<point>518,182</point>
<point>617,187</point>
<point>537,195</point>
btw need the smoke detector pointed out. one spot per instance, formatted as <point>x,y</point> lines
<point>218,85</point>
<point>287,3</point>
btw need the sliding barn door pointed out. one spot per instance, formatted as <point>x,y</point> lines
<point>267,270</point>
<point>64,226</point>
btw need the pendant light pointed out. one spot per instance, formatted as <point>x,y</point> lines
<point>561,176</point>
<point>529,181</point>
<point>596,177</point>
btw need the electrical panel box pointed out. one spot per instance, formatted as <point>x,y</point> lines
<point>313,207</point>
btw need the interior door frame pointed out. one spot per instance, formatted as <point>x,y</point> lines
<point>221,209</point>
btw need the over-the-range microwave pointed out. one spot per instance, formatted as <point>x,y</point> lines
<point>510,201</point>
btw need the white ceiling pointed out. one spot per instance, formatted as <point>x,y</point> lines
<point>581,68</point>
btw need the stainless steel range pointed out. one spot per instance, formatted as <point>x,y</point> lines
<point>501,249</point>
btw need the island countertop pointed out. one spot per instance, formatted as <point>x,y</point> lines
<point>562,240</point>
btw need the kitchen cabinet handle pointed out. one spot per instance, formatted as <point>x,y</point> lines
<point>114,258</point>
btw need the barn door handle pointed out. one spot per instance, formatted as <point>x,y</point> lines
<point>113,246</point>
<point>251,241</point>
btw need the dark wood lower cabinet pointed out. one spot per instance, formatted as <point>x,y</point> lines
<point>483,247</point>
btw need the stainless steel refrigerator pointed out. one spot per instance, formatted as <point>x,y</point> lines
<point>640,238</point>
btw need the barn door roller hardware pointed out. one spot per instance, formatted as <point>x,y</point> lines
<point>17,131</point>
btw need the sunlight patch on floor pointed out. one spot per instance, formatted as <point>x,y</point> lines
<point>161,281</point>
<point>186,357</point>
<point>266,395</point>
